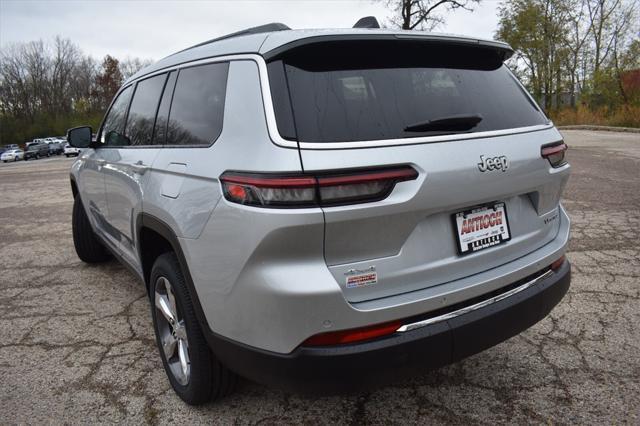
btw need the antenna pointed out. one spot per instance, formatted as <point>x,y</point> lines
<point>367,22</point>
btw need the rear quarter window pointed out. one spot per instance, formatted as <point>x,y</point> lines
<point>197,109</point>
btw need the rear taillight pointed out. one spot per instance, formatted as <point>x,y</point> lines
<point>325,189</point>
<point>555,153</point>
<point>353,335</point>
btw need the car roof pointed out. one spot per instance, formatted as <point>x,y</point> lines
<point>268,39</point>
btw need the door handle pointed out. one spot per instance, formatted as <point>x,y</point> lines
<point>139,167</point>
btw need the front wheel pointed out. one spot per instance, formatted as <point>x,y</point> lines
<point>193,371</point>
<point>88,248</point>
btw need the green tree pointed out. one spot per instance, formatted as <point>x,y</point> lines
<point>538,30</point>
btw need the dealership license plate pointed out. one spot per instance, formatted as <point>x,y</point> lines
<point>481,228</point>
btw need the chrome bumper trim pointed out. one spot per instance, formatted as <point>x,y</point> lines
<point>465,310</point>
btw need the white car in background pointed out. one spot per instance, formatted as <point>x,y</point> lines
<point>12,155</point>
<point>71,151</point>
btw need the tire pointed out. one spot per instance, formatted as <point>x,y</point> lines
<point>4,161</point>
<point>88,248</point>
<point>206,378</point>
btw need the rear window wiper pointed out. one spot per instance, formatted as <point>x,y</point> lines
<point>455,123</point>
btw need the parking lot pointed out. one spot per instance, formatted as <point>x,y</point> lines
<point>77,342</point>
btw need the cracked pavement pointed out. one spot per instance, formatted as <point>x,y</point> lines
<point>78,347</point>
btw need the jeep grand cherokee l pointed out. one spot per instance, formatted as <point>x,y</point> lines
<point>323,208</point>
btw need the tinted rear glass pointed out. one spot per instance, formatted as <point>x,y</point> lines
<point>359,91</point>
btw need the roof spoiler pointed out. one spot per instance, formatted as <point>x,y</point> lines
<point>501,50</point>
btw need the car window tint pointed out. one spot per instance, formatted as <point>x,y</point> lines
<point>160,133</point>
<point>197,108</point>
<point>112,133</point>
<point>143,108</point>
<point>360,91</point>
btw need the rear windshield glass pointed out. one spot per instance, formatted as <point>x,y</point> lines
<point>361,91</point>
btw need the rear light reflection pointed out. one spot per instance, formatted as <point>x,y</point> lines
<point>353,335</point>
<point>308,191</point>
<point>555,153</point>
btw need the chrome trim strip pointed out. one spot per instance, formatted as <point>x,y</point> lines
<point>484,303</point>
<point>421,140</point>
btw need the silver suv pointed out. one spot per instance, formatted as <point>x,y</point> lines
<point>326,208</point>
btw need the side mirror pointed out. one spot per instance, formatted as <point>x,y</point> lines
<point>79,137</point>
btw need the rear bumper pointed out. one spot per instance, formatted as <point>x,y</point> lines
<point>432,346</point>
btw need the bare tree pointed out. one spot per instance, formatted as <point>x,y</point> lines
<point>577,44</point>
<point>423,14</point>
<point>129,66</point>
<point>611,23</point>
<point>46,88</point>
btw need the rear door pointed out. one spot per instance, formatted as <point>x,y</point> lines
<point>129,154</point>
<point>458,117</point>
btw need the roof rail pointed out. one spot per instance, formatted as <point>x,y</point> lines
<point>266,28</point>
<point>367,22</point>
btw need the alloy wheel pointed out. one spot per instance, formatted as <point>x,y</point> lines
<point>172,331</point>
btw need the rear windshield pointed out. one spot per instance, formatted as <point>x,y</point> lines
<point>362,91</point>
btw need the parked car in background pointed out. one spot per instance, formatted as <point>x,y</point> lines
<point>56,148</point>
<point>71,151</point>
<point>34,142</point>
<point>327,208</point>
<point>36,151</point>
<point>9,147</point>
<point>12,155</point>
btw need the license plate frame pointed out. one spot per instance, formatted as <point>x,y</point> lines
<point>484,237</point>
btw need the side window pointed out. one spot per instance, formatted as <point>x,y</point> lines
<point>112,133</point>
<point>160,133</point>
<point>197,109</point>
<point>143,108</point>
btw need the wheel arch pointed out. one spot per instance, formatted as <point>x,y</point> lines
<point>74,186</point>
<point>155,238</point>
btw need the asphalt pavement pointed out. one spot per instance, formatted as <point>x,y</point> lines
<point>77,345</point>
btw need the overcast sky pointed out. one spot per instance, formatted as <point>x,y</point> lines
<point>154,29</point>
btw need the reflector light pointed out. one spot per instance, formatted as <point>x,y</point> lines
<point>353,335</point>
<point>558,263</point>
<point>326,189</point>
<point>555,153</point>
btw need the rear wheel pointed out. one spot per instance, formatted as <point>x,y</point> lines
<point>88,248</point>
<point>193,371</point>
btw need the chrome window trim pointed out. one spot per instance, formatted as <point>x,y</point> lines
<point>479,305</point>
<point>280,141</point>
